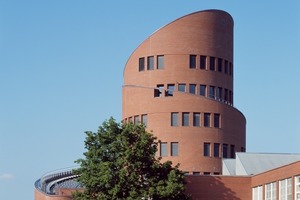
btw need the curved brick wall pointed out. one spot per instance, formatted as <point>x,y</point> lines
<point>208,34</point>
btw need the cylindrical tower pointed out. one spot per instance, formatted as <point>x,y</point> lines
<point>179,82</point>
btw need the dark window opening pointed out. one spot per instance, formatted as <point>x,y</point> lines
<point>212,63</point>
<point>170,89</point>
<point>196,119</point>
<point>225,150</point>
<point>141,64</point>
<point>192,88</point>
<point>207,119</point>
<point>150,63</point>
<point>206,149</point>
<point>193,61</point>
<point>202,62</point>
<point>217,120</point>
<point>158,90</point>
<point>203,90</point>
<point>216,150</point>
<point>220,64</point>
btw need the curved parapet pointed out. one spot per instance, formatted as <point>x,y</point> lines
<point>179,82</point>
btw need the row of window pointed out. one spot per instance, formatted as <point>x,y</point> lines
<point>137,119</point>
<point>195,119</point>
<point>211,63</point>
<point>202,173</point>
<point>210,91</point>
<point>203,62</point>
<point>164,149</point>
<point>218,150</point>
<point>285,190</point>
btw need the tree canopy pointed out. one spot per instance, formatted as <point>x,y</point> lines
<point>120,163</point>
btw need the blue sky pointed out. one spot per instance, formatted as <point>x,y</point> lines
<point>61,68</point>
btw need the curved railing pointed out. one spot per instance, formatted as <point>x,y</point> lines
<point>62,178</point>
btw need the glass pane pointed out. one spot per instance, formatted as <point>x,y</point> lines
<point>202,62</point>
<point>212,63</point>
<point>174,119</point>
<point>203,90</point>
<point>163,149</point>
<point>160,62</point>
<point>192,61</point>
<point>185,119</point>
<point>174,149</point>
<point>181,87</point>
<point>196,119</point>
<point>206,149</point>
<point>192,88</point>
<point>207,119</point>
<point>141,64</point>
<point>150,63</point>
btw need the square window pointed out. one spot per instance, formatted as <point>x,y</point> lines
<point>202,62</point>
<point>212,63</point>
<point>192,88</point>
<point>206,149</point>
<point>203,90</point>
<point>207,119</point>
<point>185,119</point>
<point>193,61</point>
<point>174,119</point>
<point>141,64</point>
<point>181,87</point>
<point>163,149</point>
<point>160,62</point>
<point>150,63</point>
<point>174,148</point>
<point>196,119</point>
<point>217,120</point>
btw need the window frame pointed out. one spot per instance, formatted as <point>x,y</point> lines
<point>150,63</point>
<point>160,60</point>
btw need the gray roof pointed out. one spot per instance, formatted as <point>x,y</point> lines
<point>255,163</point>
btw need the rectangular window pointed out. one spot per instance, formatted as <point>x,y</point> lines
<point>130,119</point>
<point>202,62</point>
<point>212,90</point>
<point>216,150</point>
<point>285,189</point>
<point>141,64</point>
<point>170,90</point>
<point>160,62</point>
<point>232,151</point>
<point>193,61</point>
<point>150,63</point>
<point>145,120</point>
<point>136,119</point>
<point>163,149</point>
<point>212,63</point>
<point>174,119</point>
<point>185,119</point>
<point>196,119</point>
<point>196,173</point>
<point>225,150</point>
<point>203,90</point>
<point>217,120</point>
<point>230,97</point>
<point>219,93</point>
<point>181,87</point>
<point>206,149</point>
<point>207,119</point>
<point>220,64</point>
<point>174,148</point>
<point>226,67</point>
<point>270,191</point>
<point>257,193</point>
<point>158,90</point>
<point>297,187</point>
<point>192,88</point>
<point>230,68</point>
<point>226,96</point>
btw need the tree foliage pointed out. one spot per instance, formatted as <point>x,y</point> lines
<point>120,163</point>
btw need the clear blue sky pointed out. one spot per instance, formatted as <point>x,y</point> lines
<point>61,65</point>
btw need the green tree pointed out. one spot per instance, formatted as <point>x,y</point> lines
<point>120,163</point>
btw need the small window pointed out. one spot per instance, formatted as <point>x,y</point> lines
<point>181,87</point>
<point>170,90</point>
<point>219,93</point>
<point>216,150</point>
<point>174,148</point>
<point>212,63</point>
<point>225,150</point>
<point>196,173</point>
<point>226,67</point>
<point>220,64</point>
<point>174,119</point>
<point>141,64</point>
<point>196,119</point>
<point>136,119</point>
<point>192,88</point>
<point>226,95</point>
<point>232,151</point>
<point>207,149</point>
<point>150,63</point>
<point>206,173</point>
<point>212,91</point>
<point>207,119</point>
<point>217,120</point>
<point>145,120</point>
<point>230,97</point>
<point>160,62</point>
<point>203,90</point>
<point>230,68</point>
<point>163,149</point>
<point>202,62</point>
<point>158,90</point>
<point>185,119</point>
<point>193,61</point>
<point>130,119</point>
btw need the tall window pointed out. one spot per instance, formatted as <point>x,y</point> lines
<point>230,68</point>
<point>174,119</point>
<point>206,151</point>
<point>285,189</point>
<point>174,148</point>
<point>270,191</point>
<point>193,61</point>
<point>185,119</point>
<point>226,67</point>
<point>158,90</point>
<point>219,93</point>
<point>203,90</point>
<point>136,119</point>
<point>196,119</point>
<point>297,187</point>
<point>145,120</point>
<point>216,150</point>
<point>141,64</point>
<point>170,89</point>
<point>220,64</point>
<point>225,150</point>
<point>202,62</point>
<point>212,63</point>
<point>181,87</point>
<point>160,62</point>
<point>150,63</point>
<point>257,193</point>
<point>207,119</point>
<point>226,95</point>
<point>212,90</point>
<point>232,151</point>
<point>163,149</point>
<point>217,120</point>
<point>192,88</point>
